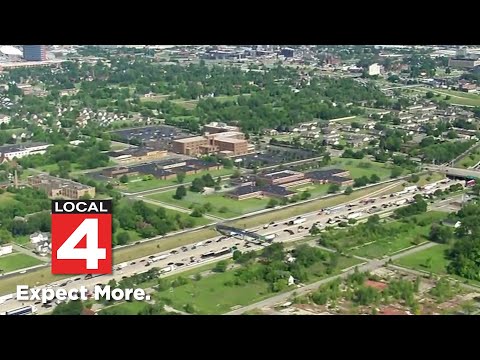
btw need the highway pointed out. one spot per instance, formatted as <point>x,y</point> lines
<point>188,257</point>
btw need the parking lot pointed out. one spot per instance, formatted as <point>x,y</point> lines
<point>158,136</point>
<point>273,155</point>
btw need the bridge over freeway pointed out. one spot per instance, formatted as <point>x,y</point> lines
<point>232,231</point>
<point>457,172</point>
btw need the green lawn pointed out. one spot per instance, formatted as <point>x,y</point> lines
<point>136,184</point>
<point>469,160</point>
<point>432,260</point>
<point>125,308</point>
<point>315,189</point>
<point>211,294</point>
<point>429,178</point>
<point>218,201</point>
<point>17,261</point>
<point>187,104</point>
<point>363,167</point>
<point>457,97</point>
<point>403,239</point>
<point>419,260</point>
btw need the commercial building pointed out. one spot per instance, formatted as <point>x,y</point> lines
<point>167,169</point>
<point>57,187</point>
<point>331,176</point>
<point>284,177</point>
<point>227,143</point>
<point>35,52</point>
<point>253,191</point>
<point>21,150</point>
<point>137,154</point>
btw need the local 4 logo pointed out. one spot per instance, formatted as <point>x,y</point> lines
<point>81,236</point>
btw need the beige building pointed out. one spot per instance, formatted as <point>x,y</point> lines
<point>228,143</point>
<point>58,187</point>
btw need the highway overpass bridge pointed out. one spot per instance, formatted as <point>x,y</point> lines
<point>455,172</point>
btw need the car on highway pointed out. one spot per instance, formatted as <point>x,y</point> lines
<point>174,252</point>
<point>184,248</point>
<point>133,263</point>
<point>77,279</point>
<point>208,242</point>
<point>143,260</point>
<point>170,264</point>
<point>193,247</point>
<point>124,277</point>
<point>266,226</point>
<point>151,256</point>
<point>179,264</point>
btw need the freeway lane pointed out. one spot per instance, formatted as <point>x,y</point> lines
<point>384,203</point>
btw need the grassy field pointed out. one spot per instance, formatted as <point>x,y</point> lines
<point>218,201</point>
<point>136,184</point>
<point>457,97</point>
<point>432,260</point>
<point>429,178</point>
<point>305,208</point>
<point>469,160</point>
<point>315,189</point>
<point>363,167</point>
<point>155,98</point>
<point>17,261</point>
<point>404,239</point>
<point>187,104</point>
<point>211,295</point>
<point>419,261</point>
<point>125,308</point>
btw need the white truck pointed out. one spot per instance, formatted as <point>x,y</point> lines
<point>270,237</point>
<point>158,258</point>
<point>297,221</point>
<point>354,215</point>
<point>167,269</point>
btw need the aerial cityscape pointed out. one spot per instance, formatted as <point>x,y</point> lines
<point>246,179</point>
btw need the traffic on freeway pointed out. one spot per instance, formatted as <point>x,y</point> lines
<point>221,247</point>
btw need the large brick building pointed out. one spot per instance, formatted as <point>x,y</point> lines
<point>58,187</point>
<point>285,177</point>
<point>227,143</point>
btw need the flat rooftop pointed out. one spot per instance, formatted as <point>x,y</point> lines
<point>280,174</point>
<point>19,147</point>
<point>191,139</point>
<point>59,183</point>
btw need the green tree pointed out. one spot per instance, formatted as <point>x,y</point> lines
<point>123,238</point>
<point>348,190</point>
<point>374,178</point>
<point>180,177</point>
<point>73,307</point>
<point>220,266</point>
<point>414,178</point>
<point>180,193</point>
<point>197,185</point>
<point>272,203</point>
<point>333,188</point>
<point>124,179</point>
<point>440,234</point>
<point>396,172</point>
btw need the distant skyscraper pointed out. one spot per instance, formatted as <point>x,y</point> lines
<point>34,52</point>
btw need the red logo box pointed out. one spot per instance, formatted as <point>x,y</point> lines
<point>81,237</point>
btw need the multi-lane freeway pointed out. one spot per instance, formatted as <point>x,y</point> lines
<point>187,257</point>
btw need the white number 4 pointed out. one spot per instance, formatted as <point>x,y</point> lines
<point>91,253</point>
